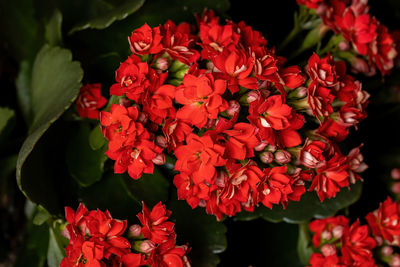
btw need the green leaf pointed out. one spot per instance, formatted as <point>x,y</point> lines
<point>53,33</point>
<point>7,117</point>
<point>23,85</point>
<point>84,163</point>
<point>104,13</point>
<point>150,188</point>
<point>307,208</point>
<point>111,193</point>
<point>55,253</point>
<point>304,245</point>
<point>96,138</point>
<point>204,234</point>
<point>41,216</point>
<point>55,85</point>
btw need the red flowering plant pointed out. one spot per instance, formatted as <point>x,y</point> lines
<point>245,128</point>
<point>336,242</point>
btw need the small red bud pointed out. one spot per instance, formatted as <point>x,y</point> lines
<point>396,188</point>
<point>161,63</point>
<point>337,231</point>
<point>326,235</point>
<point>328,250</point>
<point>146,246</point>
<point>395,262</point>
<point>135,230</point>
<point>159,159</point>
<point>395,173</point>
<point>234,107</point>
<point>266,157</point>
<point>282,157</point>
<point>387,251</point>
<point>161,141</point>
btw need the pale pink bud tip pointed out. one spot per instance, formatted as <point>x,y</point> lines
<point>252,96</point>
<point>161,141</point>
<point>338,231</point>
<point>135,230</point>
<point>387,251</point>
<point>326,235</point>
<point>234,107</point>
<point>395,261</point>
<point>162,63</point>
<point>396,188</point>
<point>395,173</point>
<point>266,157</point>
<point>282,157</point>
<point>146,246</point>
<point>328,250</point>
<point>344,45</point>
<point>159,159</point>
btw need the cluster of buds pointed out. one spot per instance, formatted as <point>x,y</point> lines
<point>340,244</point>
<point>96,239</point>
<point>245,129</point>
<point>372,46</point>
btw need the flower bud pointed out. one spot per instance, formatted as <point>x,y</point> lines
<point>261,146</point>
<point>396,188</point>
<point>161,63</point>
<point>337,231</point>
<point>271,148</point>
<point>161,141</point>
<point>123,101</point>
<point>252,96</point>
<point>379,241</point>
<point>387,251</point>
<point>282,157</point>
<point>395,262</point>
<point>202,203</point>
<point>326,235</point>
<point>360,65</point>
<point>344,45</point>
<point>143,117</point>
<point>145,246</point>
<point>221,178</point>
<point>135,231</point>
<point>395,173</point>
<point>266,157</point>
<point>159,159</point>
<point>234,107</point>
<point>328,250</point>
<point>301,92</point>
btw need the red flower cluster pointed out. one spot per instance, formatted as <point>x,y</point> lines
<point>95,239</point>
<point>370,39</point>
<point>340,244</point>
<point>90,100</point>
<point>233,115</point>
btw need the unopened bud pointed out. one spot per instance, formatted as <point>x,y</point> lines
<point>161,63</point>
<point>266,157</point>
<point>159,159</point>
<point>360,65</point>
<point>271,148</point>
<point>282,157</point>
<point>252,96</point>
<point>337,231</point>
<point>143,117</point>
<point>326,235</point>
<point>396,188</point>
<point>145,246</point>
<point>261,146</point>
<point>161,141</point>
<point>65,233</point>
<point>234,108</point>
<point>344,45</point>
<point>328,250</point>
<point>135,231</point>
<point>379,241</point>
<point>395,262</point>
<point>387,251</point>
<point>301,92</point>
<point>395,173</point>
<point>123,101</point>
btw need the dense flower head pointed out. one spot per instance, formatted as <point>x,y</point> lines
<point>336,242</point>
<point>245,129</point>
<point>373,46</point>
<point>96,239</point>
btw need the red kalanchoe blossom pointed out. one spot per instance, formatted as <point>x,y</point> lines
<point>132,78</point>
<point>325,70</point>
<point>249,37</point>
<point>361,29</point>
<point>90,100</point>
<point>275,186</point>
<point>175,132</point>
<point>156,226</point>
<point>146,40</point>
<point>133,260</point>
<point>312,154</point>
<point>385,222</point>
<point>241,141</point>
<point>166,256</point>
<point>319,260</point>
<point>320,100</point>
<point>235,67</point>
<point>328,227</point>
<point>202,99</point>
<point>178,42</point>
<point>313,4</point>
<point>199,157</point>
<point>192,192</point>
<point>357,245</point>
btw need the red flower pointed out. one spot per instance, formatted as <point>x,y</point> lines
<point>131,78</point>
<point>324,71</point>
<point>320,100</point>
<point>318,260</point>
<point>385,222</point>
<point>146,40</point>
<point>250,38</point>
<point>169,256</point>
<point>312,154</point>
<point>275,186</point>
<point>90,100</point>
<point>199,157</point>
<point>336,131</point>
<point>359,29</point>
<point>192,192</point>
<point>292,76</point>
<point>383,50</point>
<point>178,42</point>
<point>133,260</point>
<point>235,66</point>
<point>241,141</point>
<point>202,99</point>
<point>175,132</point>
<point>357,245</point>
<point>215,37</point>
<point>311,3</point>
<point>156,226</point>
